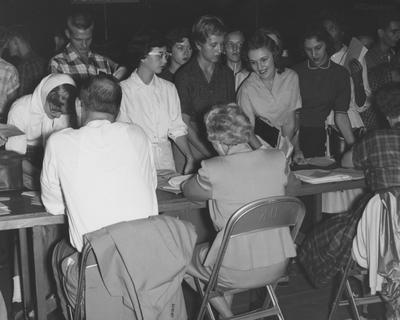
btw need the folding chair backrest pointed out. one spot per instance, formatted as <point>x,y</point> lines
<point>268,213</point>
<point>263,214</point>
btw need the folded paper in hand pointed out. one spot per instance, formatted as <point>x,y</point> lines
<point>9,130</point>
<point>324,176</point>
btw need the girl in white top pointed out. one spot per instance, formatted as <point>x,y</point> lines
<point>153,104</point>
<point>38,115</point>
<point>269,93</point>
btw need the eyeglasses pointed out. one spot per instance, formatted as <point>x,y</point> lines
<point>160,54</point>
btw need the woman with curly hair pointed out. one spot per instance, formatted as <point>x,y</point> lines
<point>234,178</point>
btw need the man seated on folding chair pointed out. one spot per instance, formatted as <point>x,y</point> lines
<point>97,175</point>
<point>236,177</point>
<point>378,154</point>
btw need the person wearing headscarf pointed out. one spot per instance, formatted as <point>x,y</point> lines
<point>38,115</point>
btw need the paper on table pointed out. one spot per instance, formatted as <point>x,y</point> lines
<point>316,176</point>
<point>356,50</point>
<point>9,130</point>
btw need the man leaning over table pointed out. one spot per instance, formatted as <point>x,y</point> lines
<point>102,168</point>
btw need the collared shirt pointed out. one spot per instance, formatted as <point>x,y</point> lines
<point>156,108</point>
<point>197,95</point>
<point>9,83</point>
<point>99,175</point>
<point>322,90</point>
<point>274,105</point>
<point>378,154</point>
<point>70,62</point>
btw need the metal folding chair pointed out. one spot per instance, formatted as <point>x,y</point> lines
<point>259,215</point>
<point>351,270</point>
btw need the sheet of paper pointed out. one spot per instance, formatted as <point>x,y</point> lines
<point>8,130</point>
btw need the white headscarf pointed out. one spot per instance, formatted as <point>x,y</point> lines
<point>28,114</point>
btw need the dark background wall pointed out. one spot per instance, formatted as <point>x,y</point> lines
<point>125,19</point>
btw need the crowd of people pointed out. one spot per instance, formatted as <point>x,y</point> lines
<point>211,102</point>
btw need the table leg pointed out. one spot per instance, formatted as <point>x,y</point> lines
<point>24,270</point>
<point>317,208</point>
<point>40,290</point>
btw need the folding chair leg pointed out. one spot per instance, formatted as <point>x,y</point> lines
<point>352,301</point>
<point>274,301</point>
<point>205,306</point>
<point>341,288</point>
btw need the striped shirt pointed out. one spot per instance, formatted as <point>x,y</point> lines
<point>9,83</point>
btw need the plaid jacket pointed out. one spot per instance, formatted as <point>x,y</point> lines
<point>69,62</point>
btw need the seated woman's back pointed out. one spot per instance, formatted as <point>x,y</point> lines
<point>241,177</point>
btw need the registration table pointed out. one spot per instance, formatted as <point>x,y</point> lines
<point>25,216</point>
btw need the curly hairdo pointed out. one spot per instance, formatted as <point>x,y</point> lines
<point>207,26</point>
<point>260,39</point>
<point>387,99</point>
<point>227,124</point>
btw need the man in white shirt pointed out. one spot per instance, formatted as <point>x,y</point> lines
<point>98,175</point>
<point>102,173</point>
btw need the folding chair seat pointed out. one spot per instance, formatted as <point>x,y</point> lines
<point>257,216</point>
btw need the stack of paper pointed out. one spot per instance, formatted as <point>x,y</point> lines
<point>324,176</point>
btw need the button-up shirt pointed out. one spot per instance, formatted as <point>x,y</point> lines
<point>156,108</point>
<point>70,62</point>
<point>273,106</point>
<point>99,175</point>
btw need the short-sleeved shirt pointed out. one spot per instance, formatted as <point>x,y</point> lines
<point>197,95</point>
<point>70,62</point>
<point>273,106</point>
<point>378,154</point>
<point>322,89</point>
<point>9,83</point>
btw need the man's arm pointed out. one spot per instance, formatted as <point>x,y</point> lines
<point>51,189</point>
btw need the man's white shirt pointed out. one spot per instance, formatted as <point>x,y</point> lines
<point>100,174</point>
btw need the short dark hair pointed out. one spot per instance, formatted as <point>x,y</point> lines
<point>101,93</point>
<point>57,96</point>
<point>176,35</point>
<point>318,32</point>
<point>260,39</point>
<point>207,26</point>
<point>20,32</point>
<point>82,20</point>
<point>151,42</point>
<point>386,17</point>
<point>387,99</point>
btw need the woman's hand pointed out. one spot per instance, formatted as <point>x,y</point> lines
<point>298,157</point>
